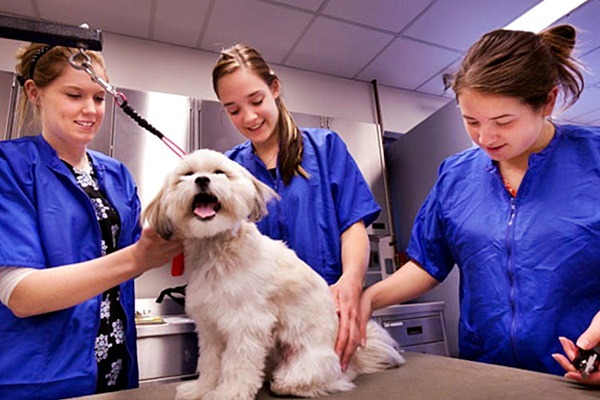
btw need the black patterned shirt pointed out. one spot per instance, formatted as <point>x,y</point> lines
<point>110,348</point>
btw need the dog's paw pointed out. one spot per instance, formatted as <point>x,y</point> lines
<point>189,391</point>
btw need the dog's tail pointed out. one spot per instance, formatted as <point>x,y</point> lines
<point>379,353</point>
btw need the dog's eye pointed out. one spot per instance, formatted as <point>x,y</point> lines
<point>189,173</point>
<point>219,172</point>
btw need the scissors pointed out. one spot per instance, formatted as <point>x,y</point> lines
<point>587,361</point>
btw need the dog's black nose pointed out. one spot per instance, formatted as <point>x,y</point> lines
<point>203,182</point>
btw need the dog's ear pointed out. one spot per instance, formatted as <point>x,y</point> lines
<point>157,218</point>
<point>264,194</point>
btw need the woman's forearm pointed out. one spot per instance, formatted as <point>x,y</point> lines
<point>408,282</point>
<point>62,287</point>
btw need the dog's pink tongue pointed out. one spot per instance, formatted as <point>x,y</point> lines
<point>205,210</point>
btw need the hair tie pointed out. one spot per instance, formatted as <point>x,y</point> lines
<point>21,80</point>
<point>40,52</point>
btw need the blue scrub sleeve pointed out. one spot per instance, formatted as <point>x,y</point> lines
<point>351,193</point>
<point>428,245</point>
<point>20,244</point>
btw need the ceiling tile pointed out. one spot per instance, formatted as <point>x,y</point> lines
<point>407,44</point>
<point>413,63</point>
<point>131,17</point>
<point>587,103</point>
<point>391,15</point>
<point>18,7</point>
<point>591,61</point>
<point>596,121</point>
<point>271,29</point>
<point>179,21</point>
<point>458,24</point>
<point>337,48</point>
<point>312,5</point>
<point>435,85</point>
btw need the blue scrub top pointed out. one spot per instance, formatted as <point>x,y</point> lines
<point>47,220</point>
<point>529,265</point>
<point>314,212</point>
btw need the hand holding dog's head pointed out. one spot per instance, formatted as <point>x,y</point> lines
<point>205,195</point>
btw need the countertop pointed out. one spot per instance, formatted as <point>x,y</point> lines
<point>172,325</point>
<point>424,376</point>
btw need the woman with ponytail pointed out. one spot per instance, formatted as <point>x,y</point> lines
<point>519,213</point>
<point>71,241</point>
<point>325,203</point>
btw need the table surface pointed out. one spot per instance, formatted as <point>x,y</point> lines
<point>424,376</point>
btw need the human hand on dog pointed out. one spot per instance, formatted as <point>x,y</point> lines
<point>153,251</point>
<point>587,340</point>
<point>346,294</point>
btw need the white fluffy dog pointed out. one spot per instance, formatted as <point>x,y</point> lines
<point>260,312</point>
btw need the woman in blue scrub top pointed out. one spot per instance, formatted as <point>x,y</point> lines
<point>70,242</point>
<point>519,213</point>
<point>325,203</point>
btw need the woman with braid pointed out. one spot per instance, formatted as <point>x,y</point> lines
<point>325,203</point>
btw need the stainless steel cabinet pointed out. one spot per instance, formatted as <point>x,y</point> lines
<point>167,347</point>
<point>8,88</point>
<point>216,132</point>
<point>416,327</point>
<point>148,158</point>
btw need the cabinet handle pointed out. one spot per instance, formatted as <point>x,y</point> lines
<point>414,330</point>
<point>392,324</point>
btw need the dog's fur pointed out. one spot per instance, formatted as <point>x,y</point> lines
<point>261,313</point>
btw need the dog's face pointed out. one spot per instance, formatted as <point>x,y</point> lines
<point>205,195</point>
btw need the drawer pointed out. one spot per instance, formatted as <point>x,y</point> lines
<point>173,355</point>
<point>438,348</point>
<point>413,331</point>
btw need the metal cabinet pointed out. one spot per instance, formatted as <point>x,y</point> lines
<point>7,101</point>
<point>167,353</point>
<point>167,350</point>
<point>418,327</point>
<point>216,132</point>
<point>146,157</point>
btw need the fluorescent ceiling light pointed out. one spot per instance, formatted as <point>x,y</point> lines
<point>543,15</point>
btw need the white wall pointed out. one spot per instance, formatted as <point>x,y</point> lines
<point>144,65</point>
